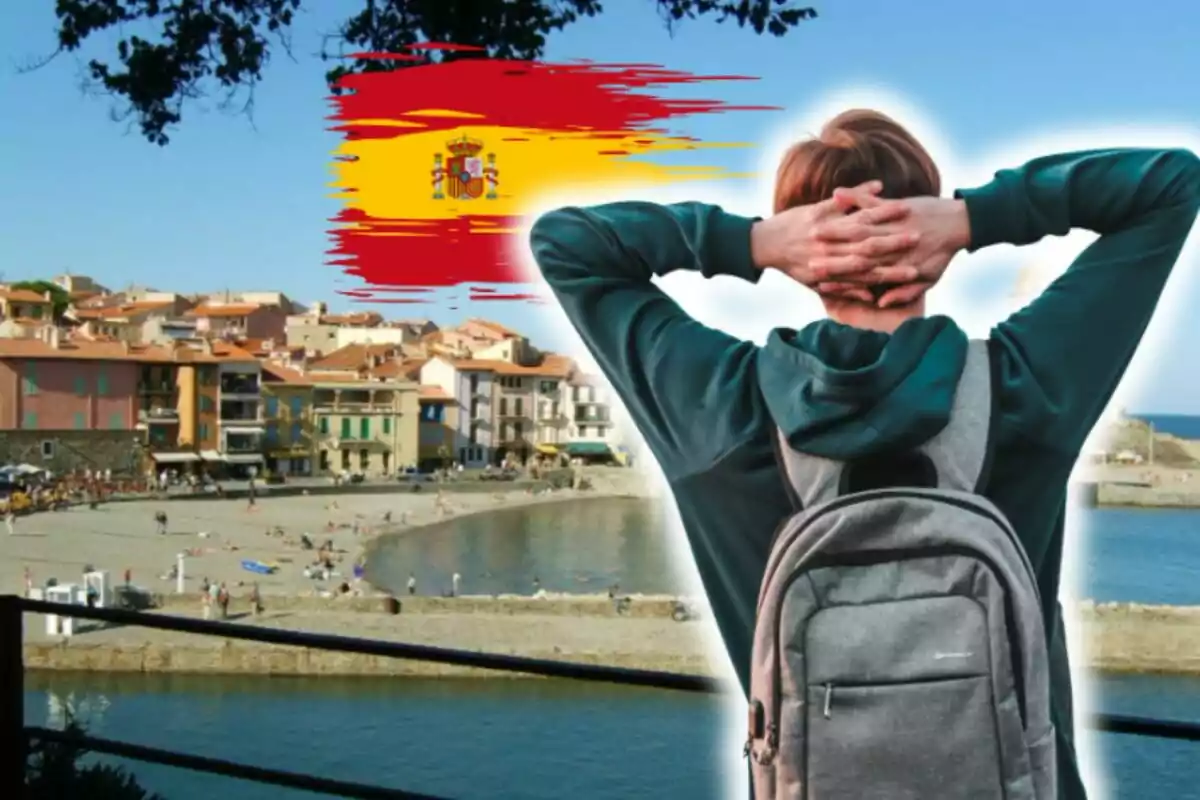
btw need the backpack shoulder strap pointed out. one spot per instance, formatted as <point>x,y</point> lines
<point>960,452</point>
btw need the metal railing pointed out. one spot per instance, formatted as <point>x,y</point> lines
<point>14,730</point>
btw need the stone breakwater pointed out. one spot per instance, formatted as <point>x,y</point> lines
<point>1116,638</point>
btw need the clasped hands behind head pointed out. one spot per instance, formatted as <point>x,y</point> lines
<point>858,248</point>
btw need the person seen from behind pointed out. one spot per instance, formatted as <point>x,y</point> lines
<point>859,218</point>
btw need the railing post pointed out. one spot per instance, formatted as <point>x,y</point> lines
<point>12,698</point>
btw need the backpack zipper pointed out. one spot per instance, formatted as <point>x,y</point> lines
<point>878,494</point>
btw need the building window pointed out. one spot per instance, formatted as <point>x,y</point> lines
<point>272,406</point>
<point>297,404</point>
<point>387,425</point>
<point>520,407</point>
<point>158,435</point>
<point>202,431</point>
<point>583,431</point>
<point>323,425</point>
<point>29,420</point>
<point>80,386</point>
<point>80,420</point>
<point>517,430</point>
<point>504,406</point>
<point>206,403</point>
<point>36,312</point>
<point>364,428</point>
<point>323,461</point>
<point>47,448</point>
<point>346,432</point>
<point>474,382</point>
<point>548,387</point>
<point>102,382</point>
<point>116,421</point>
<point>364,459</point>
<point>296,433</point>
<point>29,383</point>
<point>272,434</point>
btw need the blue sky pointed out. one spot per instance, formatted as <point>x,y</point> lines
<point>234,205</point>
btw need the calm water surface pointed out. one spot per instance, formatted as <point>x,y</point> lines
<point>539,739</point>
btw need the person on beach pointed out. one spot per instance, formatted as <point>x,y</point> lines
<point>455,584</point>
<point>412,583</point>
<point>223,600</point>
<point>160,522</point>
<point>858,218</point>
<point>256,606</point>
<point>214,595</point>
<point>10,519</point>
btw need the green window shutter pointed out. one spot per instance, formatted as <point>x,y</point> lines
<point>387,425</point>
<point>364,428</point>
<point>80,421</point>
<point>324,425</point>
<point>346,428</point>
<point>30,420</point>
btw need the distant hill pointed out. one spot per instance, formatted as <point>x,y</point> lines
<point>1133,435</point>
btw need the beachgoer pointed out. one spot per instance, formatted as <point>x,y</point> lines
<point>223,600</point>
<point>412,583</point>
<point>160,522</point>
<point>256,606</point>
<point>877,378</point>
<point>206,604</point>
<point>214,594</point>
<point>128,576</point>
<point>455,584</point>
<point>537,584</point>
<point>10,519</point>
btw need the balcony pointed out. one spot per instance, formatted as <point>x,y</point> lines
<point>586,420</point>
<point>156,387</point>
<point>158,416</point>
<point>239,385</point>
<point>242,444</point>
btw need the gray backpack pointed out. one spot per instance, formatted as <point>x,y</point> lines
<point>899,652</point>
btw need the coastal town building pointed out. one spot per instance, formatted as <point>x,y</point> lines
<point>25,304</point>
<point>592,434</point>
<point>290,441</point>
<point>320,332</point>
<point>126,322</point>
<point>237,384</point>
<point>366,425</point>
<point>78,404</point>
<point>235,320</point>
<point>438,426</point>
<point>470,386</point>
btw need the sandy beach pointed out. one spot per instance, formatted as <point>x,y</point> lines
<point>219,533</point>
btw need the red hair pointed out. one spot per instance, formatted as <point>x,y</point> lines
<point>855,147</point>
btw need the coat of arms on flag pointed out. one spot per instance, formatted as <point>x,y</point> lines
<point>464,175</point>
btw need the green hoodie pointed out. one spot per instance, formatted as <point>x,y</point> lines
<point>707,403</point>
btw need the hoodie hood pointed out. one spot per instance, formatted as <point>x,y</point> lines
<point>843,393</point>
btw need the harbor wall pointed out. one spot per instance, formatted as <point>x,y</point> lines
<point>1120,638</point>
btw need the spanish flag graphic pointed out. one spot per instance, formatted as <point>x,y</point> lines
<point>439,162</point>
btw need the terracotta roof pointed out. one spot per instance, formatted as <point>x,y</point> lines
<point>353,356</point>
<point>499,329</point>
<point>125,310</point>
<point>223,310</point>
<point>433,394</point>
<point>22,296</point>
<point>358,319</point>
<point>277,373</point>
<point>552,365</point>
<point>85,350</point>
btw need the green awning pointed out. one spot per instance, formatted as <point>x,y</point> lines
<point>588,449</point>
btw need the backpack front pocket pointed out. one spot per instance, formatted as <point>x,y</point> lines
<point>916,740</point>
